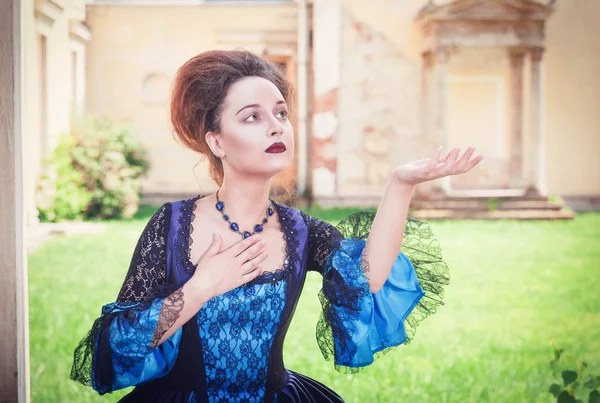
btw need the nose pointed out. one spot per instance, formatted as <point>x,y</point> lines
<point>276,129</point>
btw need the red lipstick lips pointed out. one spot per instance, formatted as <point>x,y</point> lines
<point>275,148</point>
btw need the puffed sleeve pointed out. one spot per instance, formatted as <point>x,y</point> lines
<point>356,326</point>
<point>120,350</point>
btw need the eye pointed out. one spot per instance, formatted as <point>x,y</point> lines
<point>282,115</point>
<point>252,118</point>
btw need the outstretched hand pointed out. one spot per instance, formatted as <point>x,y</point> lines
<point>436,167</point>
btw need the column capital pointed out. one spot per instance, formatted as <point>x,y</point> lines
<point>432,57</point>
<point>428,59</point>
<point>536,54</point>
<point>517,56</point>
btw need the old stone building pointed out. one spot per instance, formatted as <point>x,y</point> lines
<point>378,83</point>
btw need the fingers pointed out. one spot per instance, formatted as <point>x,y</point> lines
<point>251,265</point>
<point>462,162</point>
<point>448,165</point>
<point>450,161</point>
<point>251,251</point>
<point>473,162</point>
<point>242,245</point>
<point>433,162</point>
<point>258,270</point>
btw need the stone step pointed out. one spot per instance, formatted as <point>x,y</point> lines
<point>484,205</point>
<point>441,214</point>
<point>436,197</point>
<point>481,205</point>
<point>527,205</point>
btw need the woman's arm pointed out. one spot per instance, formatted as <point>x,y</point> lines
<point>387,232</point>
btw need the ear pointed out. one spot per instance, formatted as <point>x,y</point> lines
<point>215,144</point>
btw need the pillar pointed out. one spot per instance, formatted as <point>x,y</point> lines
<point>426,95</point>
<point>535,182</point>
<point>434,121</point>
<point>302,96</point>
<point>439,111</point>
<point>327,54</point>
<point>14,362</point>
<point>517,57</point>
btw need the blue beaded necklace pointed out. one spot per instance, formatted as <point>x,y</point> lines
<point>235,227</point>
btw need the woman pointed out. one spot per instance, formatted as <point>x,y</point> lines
<point>214,280</point>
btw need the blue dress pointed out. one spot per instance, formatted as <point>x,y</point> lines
<point>231,351</point>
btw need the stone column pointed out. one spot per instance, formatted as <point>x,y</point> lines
<point>327,54</point>
<point>14,336</point>
<point>517,57</point>
<point>441,98</point>
<point>537,148</point>
<point>426,96</point>
<point>439,86</point>
<point>302,94</point>
<point>425,115</point>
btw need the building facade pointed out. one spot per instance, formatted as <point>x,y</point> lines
<point>378,83</point>
<point>53,52</point>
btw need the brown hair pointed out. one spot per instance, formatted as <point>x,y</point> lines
<point>199,89</point>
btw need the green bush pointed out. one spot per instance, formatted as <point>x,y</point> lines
<point>94,172</point>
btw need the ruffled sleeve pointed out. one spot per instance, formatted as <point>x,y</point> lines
<point>356,325</point>
<point>120,350</point>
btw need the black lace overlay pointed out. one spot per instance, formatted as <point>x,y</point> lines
<point>336,253</point>
<point>171,308</point>
<point>148,263</point>
<point>323,238</point>
<point>145,282</point>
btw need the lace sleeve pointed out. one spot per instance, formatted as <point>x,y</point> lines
<point>148,267</point>
<point>128,329</point>
<point>356,326</point>
<point>323,238</point>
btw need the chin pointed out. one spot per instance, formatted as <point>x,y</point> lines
<point>275,166</point>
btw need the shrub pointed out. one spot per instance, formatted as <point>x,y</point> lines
<point>94,172</point>
<point>573,383</point>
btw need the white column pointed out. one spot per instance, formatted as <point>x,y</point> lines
<point>302,92</point>
<point>537,145</point>
<point>427,113</point>
<point>14,364</point>
<point>440,107</point>
<point>517,57</point>
<point>326,59</point>
<point>426,96</point>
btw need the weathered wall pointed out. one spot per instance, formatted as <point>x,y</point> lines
<point>572,81</point>
<point>135,52</point>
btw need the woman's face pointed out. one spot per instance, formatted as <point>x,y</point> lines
<point>256,136</point>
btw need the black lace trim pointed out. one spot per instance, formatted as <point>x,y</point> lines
<point>184,239</point>
<point>419,245</point>
<point>171,308</point>
<point>287,225</point>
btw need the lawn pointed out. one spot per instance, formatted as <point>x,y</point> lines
<point>515,287</point>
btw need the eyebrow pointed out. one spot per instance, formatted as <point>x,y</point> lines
<point>257,106</point>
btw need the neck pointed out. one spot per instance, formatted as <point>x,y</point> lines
<point>246,201</point>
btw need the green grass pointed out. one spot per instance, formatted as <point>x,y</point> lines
<point>515,287</point>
